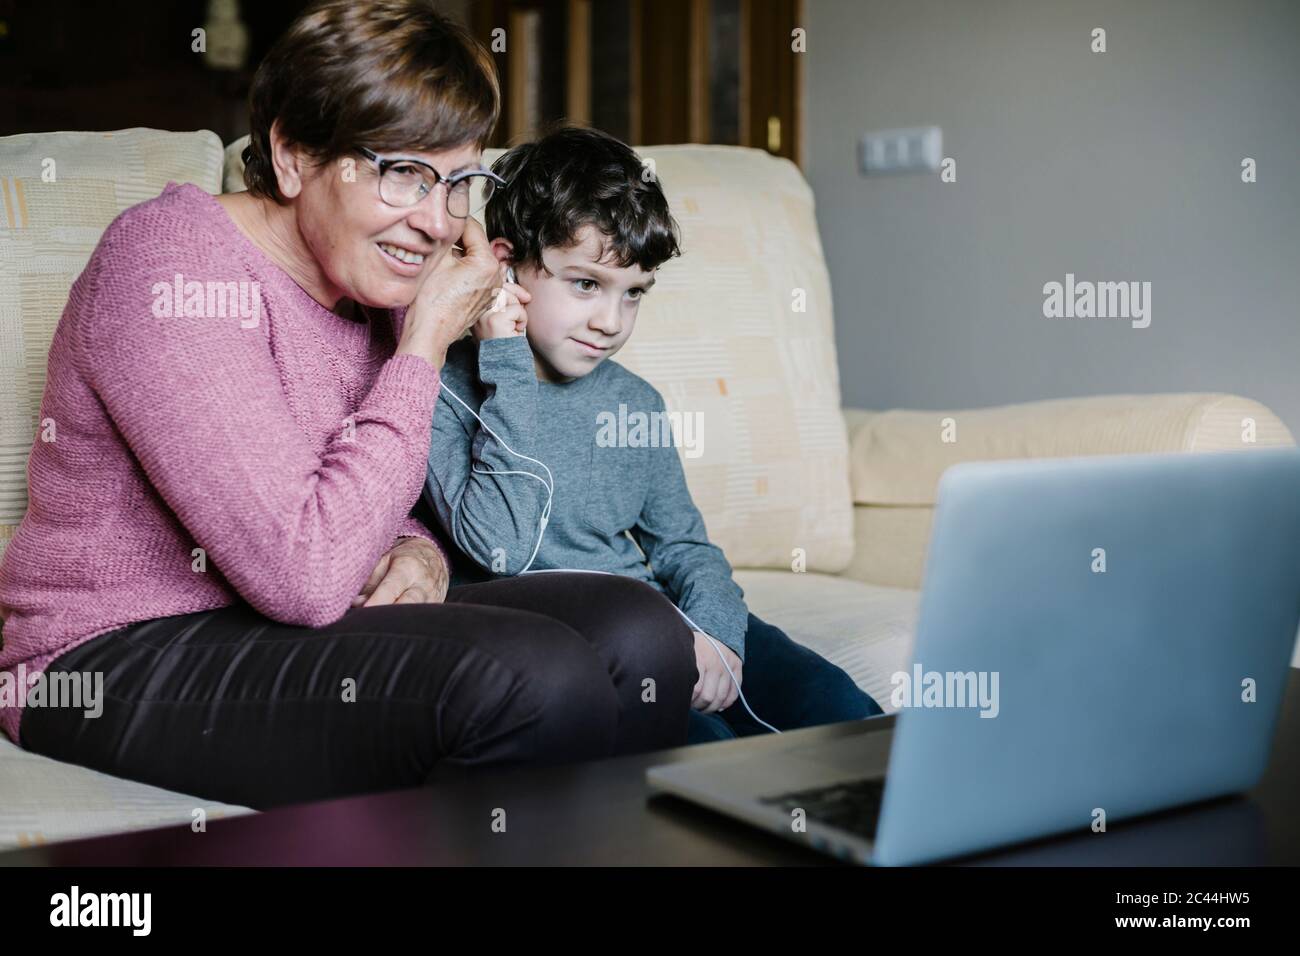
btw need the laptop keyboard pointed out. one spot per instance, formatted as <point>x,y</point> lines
<point>853,806</point>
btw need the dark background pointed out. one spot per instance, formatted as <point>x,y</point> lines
<point>654,71</point>
<point>77,65</point>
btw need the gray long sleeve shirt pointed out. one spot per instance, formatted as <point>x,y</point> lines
<point>620,506</point>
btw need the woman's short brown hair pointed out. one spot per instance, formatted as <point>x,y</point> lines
<point>385,74</point>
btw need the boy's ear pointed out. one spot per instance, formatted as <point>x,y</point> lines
<point>502,249</point>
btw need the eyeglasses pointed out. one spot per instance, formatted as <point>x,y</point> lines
<point>404,182</point>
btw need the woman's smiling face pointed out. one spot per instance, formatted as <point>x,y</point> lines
<point>365,249</point>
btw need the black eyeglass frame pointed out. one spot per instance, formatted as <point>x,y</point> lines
<point>386,162</point>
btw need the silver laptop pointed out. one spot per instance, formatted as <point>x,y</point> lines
<point>1099,638</point>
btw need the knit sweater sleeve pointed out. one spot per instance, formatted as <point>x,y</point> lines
<point>476,463</point>
<point>693,570</point>
<point>294,529</point>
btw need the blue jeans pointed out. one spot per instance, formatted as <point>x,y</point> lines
<point>788,686</point>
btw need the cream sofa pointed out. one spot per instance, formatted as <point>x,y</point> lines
<point>824,511</point>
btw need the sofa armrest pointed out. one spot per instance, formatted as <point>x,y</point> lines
<point>897,457</point>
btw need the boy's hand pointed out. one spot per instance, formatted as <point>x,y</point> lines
<point>506,317</point>
<point>714,690</point>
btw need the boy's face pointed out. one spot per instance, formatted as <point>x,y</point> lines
<point>584,310</point>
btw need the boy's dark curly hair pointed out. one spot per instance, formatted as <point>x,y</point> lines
<point>572,177</point>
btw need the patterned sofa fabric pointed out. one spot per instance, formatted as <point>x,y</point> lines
<point>60,190</point>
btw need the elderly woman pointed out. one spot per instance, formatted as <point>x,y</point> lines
<point>222,528</point>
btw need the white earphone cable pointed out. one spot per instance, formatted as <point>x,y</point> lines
<point>548,481</point>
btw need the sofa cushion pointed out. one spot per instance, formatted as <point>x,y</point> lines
<point>892,542</point>
<point>46,801</point>
<point>865,629</point>
<point>60,190</point>
<point>738,333</point>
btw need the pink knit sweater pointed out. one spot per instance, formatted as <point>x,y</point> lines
<point>286,442</point>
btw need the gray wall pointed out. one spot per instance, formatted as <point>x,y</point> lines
<point>1122,165</point>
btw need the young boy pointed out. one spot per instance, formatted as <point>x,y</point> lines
<point>585,231</point>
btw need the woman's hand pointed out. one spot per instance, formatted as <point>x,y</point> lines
<point>413,572</point>
<point>715,689</point>
<point>453,297</point>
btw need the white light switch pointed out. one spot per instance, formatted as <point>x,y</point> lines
<point>901,150</point>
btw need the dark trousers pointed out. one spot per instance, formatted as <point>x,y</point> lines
<point>229,705</point>
<point>788,686</point>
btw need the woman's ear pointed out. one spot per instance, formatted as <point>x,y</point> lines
<point>286,163</point>
<point>502,249</point>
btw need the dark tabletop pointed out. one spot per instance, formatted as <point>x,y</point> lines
<point>603,813</point>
